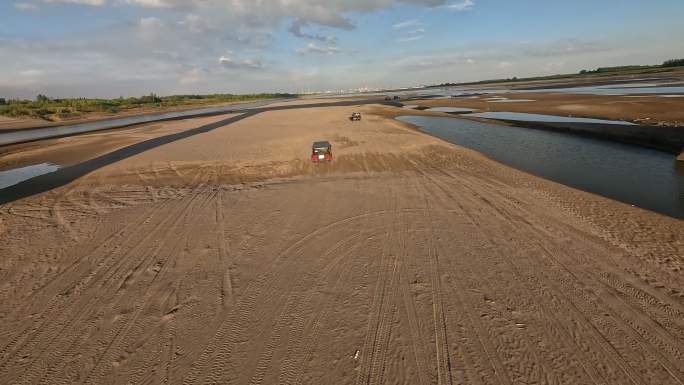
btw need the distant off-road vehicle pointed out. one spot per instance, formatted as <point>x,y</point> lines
<point>396,98</point>
<point>321,151</point>
<point>388,98</point>
<point>355,116</point>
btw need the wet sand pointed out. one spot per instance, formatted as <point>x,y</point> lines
<point>228,257</point>
<point>646,110</point>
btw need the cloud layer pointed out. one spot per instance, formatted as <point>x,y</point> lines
<point>129,47</point>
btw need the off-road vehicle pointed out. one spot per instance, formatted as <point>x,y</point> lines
<point>321,151</point>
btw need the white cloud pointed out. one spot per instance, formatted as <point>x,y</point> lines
<point>313,48</point>
<point>464,5</point>
<point>195,23</point>
<point>407,24</point>
<point>182,46</point>
<point>328,13</point>
<point>296,29</point>
<point>410,38</point>
<point>192,76</point>
<point>154,3</point>
<point>150,23</point>
<point>151,30</point>
<point>229,62</point>
<point>94,3</point>
<point>26,7</point>
<point>252,63</point>
<point>31,73</point>
<point>411,35</point>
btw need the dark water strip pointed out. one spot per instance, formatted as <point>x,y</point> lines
<point>63,176</point>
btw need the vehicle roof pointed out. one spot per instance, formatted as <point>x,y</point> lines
<point>322,144</point>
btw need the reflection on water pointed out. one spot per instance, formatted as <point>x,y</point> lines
<point>643,177</point>
<point>17,175</point>
<point>519,116</point>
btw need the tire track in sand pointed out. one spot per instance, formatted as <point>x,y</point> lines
<point>292,363</point>
<point>490,238</point>
<point>29,335</point>
<point>640,335</point>
<point>296,357</point>
<point>584,311</point>
<point>374,352</point>
<point>117,345</point>
<point>274,280</point>
<point>438,316</point>
<point>110,272</point>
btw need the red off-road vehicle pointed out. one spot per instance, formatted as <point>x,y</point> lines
<point>321,151</point>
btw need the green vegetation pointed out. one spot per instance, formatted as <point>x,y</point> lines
<point>674,63</point>
<point>48,108</point>
<point>617,69</point>
<point>599,72</point>
<point>635,68</point>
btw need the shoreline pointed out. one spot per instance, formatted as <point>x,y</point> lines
<point>603,162</point>
<point>658,121</point>
<point>97,117</point>
<point>670,140</point>
<point>665,139</point>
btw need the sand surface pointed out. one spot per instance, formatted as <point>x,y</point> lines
<point>73,150</point>
<point>229,258</point>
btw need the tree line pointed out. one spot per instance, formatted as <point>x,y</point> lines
<point>666,64</point>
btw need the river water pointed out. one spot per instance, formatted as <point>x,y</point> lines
<point>17,175</point>
<point>635,175</point>
<point>53,132</point>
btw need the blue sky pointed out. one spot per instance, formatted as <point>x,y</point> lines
<point>108,48</point>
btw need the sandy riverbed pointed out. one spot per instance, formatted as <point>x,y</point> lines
<point>647,110</point>
<point>228,257</point>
